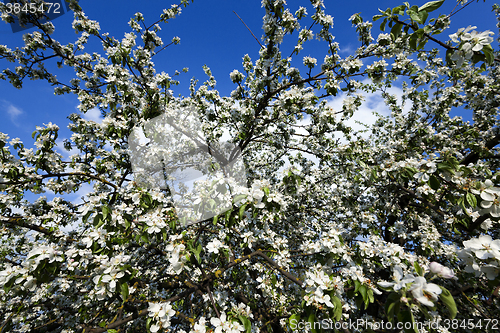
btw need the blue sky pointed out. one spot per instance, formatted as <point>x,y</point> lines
<point>210,34</point>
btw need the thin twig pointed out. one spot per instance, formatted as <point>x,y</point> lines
<point>249,29</point>
<point>213,302</point>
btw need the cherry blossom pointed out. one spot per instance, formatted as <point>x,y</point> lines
<point>484,247</point>
<point>400,280</point>
<point>425,293</point>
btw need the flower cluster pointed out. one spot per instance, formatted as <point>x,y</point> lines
<point>487,251</point>
<point>224,324</point>
<point>490,196</point>
<point>310,62</point>
<point>177,257</point>
<point>469,41</point>
<point>161,314</point>
<point>108,279</point>
<point>422,291</point>
<point>318,287</point>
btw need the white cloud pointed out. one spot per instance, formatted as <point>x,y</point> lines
<point>93,114</point>
<point>11,110</point>
<point>76,198</point>
<point>347,49</point>
<point>82,192</point>
<point>65,153</point>
<point>373,102</point>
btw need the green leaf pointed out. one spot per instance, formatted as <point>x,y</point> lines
<point>382,25</point>
<point>423,16</point>
<point>86,217</point>
<point>371,299</point>
<point>228,214</point>
<point>293,321</point>
<point>407,317</point>
<point>239,197</point>
<point>413,41</point>
<point>124,291</point>
<point>422,44</point>
<point>396,30</point>
<point>216,217</point>
<point>461,203</point>
<point>399,10</point>
<point>98,221</point>
<point>357,284</point>
<point>231,221</point>
<point>411,12</point>
<point>471,199</point>
<point>392,306</point>
<point>418,269</point>
<point>105,211</point>
<point>418,17</point>
<point>448,300</point>
<point>431,6</point>
<point>242,211</point>
<point>246,323</point>
<point>9,284</point>
<point>434,182</point>
<point>312,319</point>
<point>488,53</point>
<point>266,191</point>
<point>364,293</point>
<point>338,307</point>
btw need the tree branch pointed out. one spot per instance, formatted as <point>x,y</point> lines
<point>18,221</point>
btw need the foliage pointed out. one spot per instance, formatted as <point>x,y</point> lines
<point>334,225</point>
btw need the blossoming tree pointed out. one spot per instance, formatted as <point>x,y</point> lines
<point>398,223</point>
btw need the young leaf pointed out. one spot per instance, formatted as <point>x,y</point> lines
<point>246,323</point>
<point>396,30</point>
<point>471,199</point>
<point>338,307</point>
<point>312,319</point>
<point>124,291</point>
<point>418,269</point>
<point>431,6</point>
<point>105,211</point>
<point>293,321</point>
<point>448,300</point>
<point>242,211</point>
<point>434,182</point>
<point>488,53</point>
<point>392,306</point>
<point>407,317</point>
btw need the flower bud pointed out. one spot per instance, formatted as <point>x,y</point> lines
<point>441,270</point>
